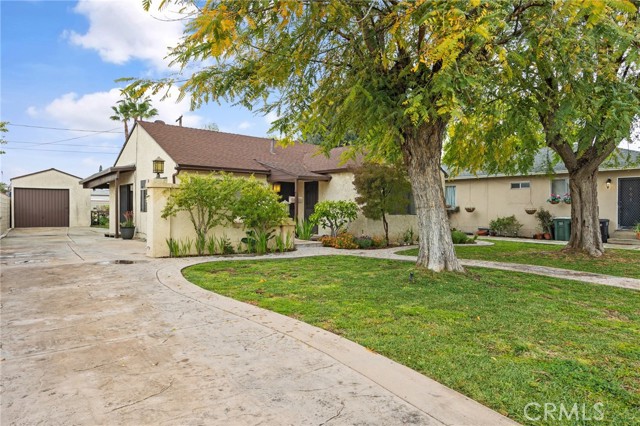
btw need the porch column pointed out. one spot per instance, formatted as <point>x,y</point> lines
<point>158,229</point>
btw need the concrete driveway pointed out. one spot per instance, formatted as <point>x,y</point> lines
<point>89,340</point>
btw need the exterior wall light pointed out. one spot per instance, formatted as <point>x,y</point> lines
<point>276,187</point>
<point>609,183</point>
<point>158,167</point>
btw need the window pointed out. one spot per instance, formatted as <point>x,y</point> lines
<point>560,186</point>
<point>520,185</point>
<point>143,195</point>
<point>450,195</point>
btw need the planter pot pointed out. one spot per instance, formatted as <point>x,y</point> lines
<point>470,209</point>
<point>567,202</point>
<point>554,202</point>
<point>638,235</point>
<point>530,211</point>
<point>127,232</point>
<point>539,236</point>
<point>547,236</point>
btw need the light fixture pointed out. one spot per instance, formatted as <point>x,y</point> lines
<point>276,187</point>
<point>608,183</point>
<point>158,167</point>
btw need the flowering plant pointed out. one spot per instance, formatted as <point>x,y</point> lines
<point>128,220</point>
<point>567,198</point>
<point>554,199</point>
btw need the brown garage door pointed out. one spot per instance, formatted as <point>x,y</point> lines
<point>41,207</point>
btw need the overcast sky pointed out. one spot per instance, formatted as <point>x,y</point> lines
<point>59,63</point>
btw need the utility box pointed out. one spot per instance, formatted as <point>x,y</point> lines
<point>604,229</point>
<point>562,227</point>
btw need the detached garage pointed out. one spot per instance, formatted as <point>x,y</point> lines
<point>49,198</point>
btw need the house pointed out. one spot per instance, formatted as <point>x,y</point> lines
<point>299,173</point>
<point>492,196</point>
<point>49,198</point>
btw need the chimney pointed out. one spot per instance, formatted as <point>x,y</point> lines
<point>273,146</point>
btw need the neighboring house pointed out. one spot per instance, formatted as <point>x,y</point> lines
<point>49,198</point>
<point>99,199</point>
<point>500,195</point>
<point>300,174</point>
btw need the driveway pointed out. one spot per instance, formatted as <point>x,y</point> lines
<point>90,340</point>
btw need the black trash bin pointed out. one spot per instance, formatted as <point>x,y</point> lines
<point>604,229</point>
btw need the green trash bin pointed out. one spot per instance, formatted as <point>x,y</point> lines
<point>562,228</point>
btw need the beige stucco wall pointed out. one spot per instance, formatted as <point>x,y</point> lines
<point>5,213</point>
<point>341,187</point>
<point>79,198</point>
<point>141,150</point>
<point>493,197</point>
<point>180,227</point>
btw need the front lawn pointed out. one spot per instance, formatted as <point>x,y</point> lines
<point>504,339</point>
<point>621,263</point>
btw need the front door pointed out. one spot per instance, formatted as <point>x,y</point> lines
<point>126,200</point>
<point>628,202</point>
<point>310,200</point>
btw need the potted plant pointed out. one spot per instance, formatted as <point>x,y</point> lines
<point>127,228</point>
<point>470,209</point>
<point>545,222</point>
<point>566,198</point>
<point>554,199</point>
<point>637,229</point>
<point>530,210</point>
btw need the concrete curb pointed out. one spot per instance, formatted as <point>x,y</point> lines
<point>434,399</point>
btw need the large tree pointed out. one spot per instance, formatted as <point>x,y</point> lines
<point>570,82</point>
<point>393,72</point>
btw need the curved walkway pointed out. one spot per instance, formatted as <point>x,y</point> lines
<point>589,277</point>
<point>88,339</point>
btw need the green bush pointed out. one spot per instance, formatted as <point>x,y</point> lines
<point>460,237</point>
<point>334,215</point>
<point>364,242</point>
<point>507,226</point>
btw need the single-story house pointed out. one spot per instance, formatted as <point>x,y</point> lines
<point>49,198</point>
<point>300,174</point>
<point>493,196</point>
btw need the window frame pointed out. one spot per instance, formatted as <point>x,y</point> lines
<point>566,183</point>
<point>524,184</point>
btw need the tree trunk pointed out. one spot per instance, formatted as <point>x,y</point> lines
<point>585,221</point>
<point>422,149</point>
<point>385,225</point>
<point>126,130</point>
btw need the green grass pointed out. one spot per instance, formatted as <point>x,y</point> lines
<point>620,263</point>
<point>505,339</point>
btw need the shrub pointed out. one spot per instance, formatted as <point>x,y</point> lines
<point>328,241</point>
<point>304,229</point>
<point>364,242</point>
<point>506,226</point>
<point>334,215</point>
<point>545,220</point>
<point>345,241</point>
<point>379,241</point>
<point>174,247</point>
<point>460,237</point>
<point>408,236</point>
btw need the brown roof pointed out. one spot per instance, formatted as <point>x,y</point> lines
<point>198,148</point>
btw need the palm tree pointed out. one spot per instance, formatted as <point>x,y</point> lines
<point>132,108</point>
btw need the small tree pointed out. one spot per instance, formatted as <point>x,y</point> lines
<point>334,214</point>
<point>261,210</point>
<point>207,199</point>
<point>383,190</point>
